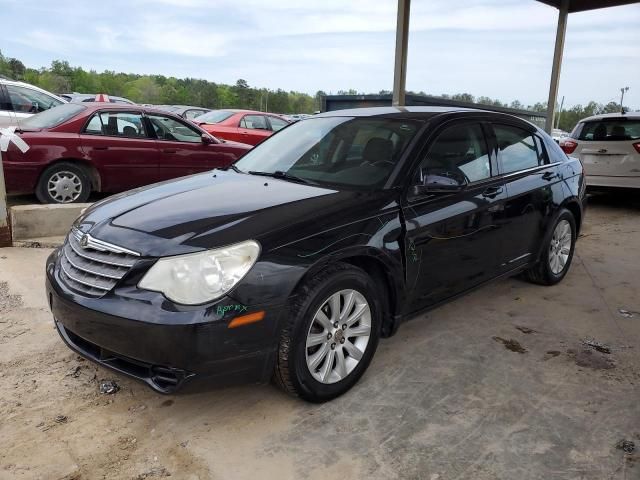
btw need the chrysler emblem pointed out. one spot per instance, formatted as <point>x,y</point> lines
<point>84,241</point>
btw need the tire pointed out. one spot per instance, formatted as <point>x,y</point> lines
<point>550,269</point>
<point>293,371</point>
<point>64,174</point>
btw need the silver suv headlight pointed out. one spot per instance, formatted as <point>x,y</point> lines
<point>197,278</point>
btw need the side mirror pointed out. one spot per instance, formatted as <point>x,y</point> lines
<point>207,139</point>
<point>435,184</point>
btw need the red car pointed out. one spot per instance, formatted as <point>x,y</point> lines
<point>246,126</point>
<point>79,148</point>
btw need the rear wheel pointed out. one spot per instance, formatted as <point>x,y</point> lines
<point>331,336</point>
<point>64,182</point>
<point>557,252</point>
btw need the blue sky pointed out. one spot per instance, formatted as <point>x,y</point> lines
<point>498,48</point>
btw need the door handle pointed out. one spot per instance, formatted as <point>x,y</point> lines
<point>101,148</point>
<point>169,150</point>
<point>492,192</point>
<point>549,176</point>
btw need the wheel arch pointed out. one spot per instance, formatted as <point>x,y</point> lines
<point>574,207</point>
<point>383,274</point>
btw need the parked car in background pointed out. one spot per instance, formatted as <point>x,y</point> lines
<point>185,111</point>
<point>246,126</point>
<point>19,101</point>
<point>95,97</point>
<point>294,117</point>
<point>558,134</point>
<point>319,241</point>
<point>77,148</point>
<point>609,147</point>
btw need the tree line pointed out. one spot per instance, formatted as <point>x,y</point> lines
<point>61,77</point>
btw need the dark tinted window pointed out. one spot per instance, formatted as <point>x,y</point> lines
<point>54,116</point>
<point>517,149</point>
<point>610,129</point>
<point>459,153</point>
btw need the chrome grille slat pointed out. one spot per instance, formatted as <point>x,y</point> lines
<point>95,268</point>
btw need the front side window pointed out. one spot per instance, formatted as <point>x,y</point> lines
<point>27,100</point>
<point>277,123</point>
<point>608,129</point>
<point>459,155</point>
<point>356,152</point>
<point>254,122</point>
<point>516,149</point>
<point>167,128</point>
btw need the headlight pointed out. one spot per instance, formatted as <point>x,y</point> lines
<point>201,277</point>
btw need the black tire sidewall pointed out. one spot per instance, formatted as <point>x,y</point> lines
<point>41,189</point>
<point>307,386</point>
<point>551,277</point>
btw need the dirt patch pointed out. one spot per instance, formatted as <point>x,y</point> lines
<point>551,354</point>
<point>590,359</point>
<point>526,330</point>
<point>511,344</point>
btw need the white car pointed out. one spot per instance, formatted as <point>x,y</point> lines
<point>19,100</point>
<point>558,134</point>
<point>609,148</point>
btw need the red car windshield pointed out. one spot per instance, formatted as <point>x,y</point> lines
<point>53,117</point>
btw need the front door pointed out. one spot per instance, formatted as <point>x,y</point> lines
<point>182,151</point>
<point>453,237</point>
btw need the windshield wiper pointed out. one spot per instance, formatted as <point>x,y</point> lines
<point>232,167</point>
<point>283,176</point>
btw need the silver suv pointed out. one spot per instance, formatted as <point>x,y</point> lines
<point>609,148</point>
<point>19,100</point>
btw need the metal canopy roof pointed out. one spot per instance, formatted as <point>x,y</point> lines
<point>582,5</point>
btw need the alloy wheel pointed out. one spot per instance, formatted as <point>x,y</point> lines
<point>560,247</point>
<point>338,336</point>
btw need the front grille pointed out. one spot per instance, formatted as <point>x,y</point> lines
<point>93,267</point>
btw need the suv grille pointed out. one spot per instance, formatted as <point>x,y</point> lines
<point>94,268</point>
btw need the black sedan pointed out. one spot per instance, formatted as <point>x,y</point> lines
<point>292,263</point>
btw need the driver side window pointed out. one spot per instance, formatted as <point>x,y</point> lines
<point>459,155</point>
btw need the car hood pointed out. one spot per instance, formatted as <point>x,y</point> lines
<point>220,208</point>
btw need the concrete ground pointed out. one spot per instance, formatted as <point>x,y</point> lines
<point>494,385</point>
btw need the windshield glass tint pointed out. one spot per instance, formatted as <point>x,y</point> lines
<point>610,129</point>
<point>358,152</point>
<point>54,116</point>
<point>215,116</point>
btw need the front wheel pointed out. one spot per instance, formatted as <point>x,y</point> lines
<point>331,335</point>
<point>557,253</point>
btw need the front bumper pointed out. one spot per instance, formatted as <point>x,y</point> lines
<point>145,336</point>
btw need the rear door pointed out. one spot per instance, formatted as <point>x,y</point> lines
<point>606,147</point>
<point>182,151</point>
<point>119,144</point>
<point>253,129</point>
<point>453,240</point>
<point>529,178</point>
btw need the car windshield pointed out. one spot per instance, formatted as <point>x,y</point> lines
<point>358,152</point>
<point>54,116</point>
<point>215,116</point>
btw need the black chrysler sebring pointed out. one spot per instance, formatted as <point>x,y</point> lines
<point>293,262</point>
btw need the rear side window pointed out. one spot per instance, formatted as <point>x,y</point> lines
<point>609,129</point>
<point>459,153</point>
<point>516,149</point>
<point>117,124</point>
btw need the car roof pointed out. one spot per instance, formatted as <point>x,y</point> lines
<point>93,106</point>
<point>633,115</point>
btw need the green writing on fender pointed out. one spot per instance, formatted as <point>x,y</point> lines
<point>223,309</point>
